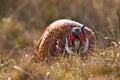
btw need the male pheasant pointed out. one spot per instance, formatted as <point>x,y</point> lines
<point>65,36</point>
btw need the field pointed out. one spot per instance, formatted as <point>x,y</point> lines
<point>22,22</point>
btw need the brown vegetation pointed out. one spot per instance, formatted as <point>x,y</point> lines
<point>21,23</point>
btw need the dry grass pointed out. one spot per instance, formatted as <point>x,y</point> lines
<point>105,66</point>
<point>21,23</point>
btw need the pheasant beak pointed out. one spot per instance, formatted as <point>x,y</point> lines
<point>77,43</point>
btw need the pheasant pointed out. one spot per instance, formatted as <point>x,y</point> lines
<point>64,36</point>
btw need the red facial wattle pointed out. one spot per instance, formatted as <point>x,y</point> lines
<point>72,37</point>
<point>82,38</point>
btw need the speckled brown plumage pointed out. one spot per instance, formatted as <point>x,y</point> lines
<point>52,40</point>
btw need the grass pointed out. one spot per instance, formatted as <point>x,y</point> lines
<point>20,26</point>
<point>15,59</point>
<point>104,66</point>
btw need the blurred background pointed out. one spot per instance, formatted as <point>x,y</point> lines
<point>22,21</point>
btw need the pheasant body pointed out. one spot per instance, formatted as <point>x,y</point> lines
<point>52,42</point>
